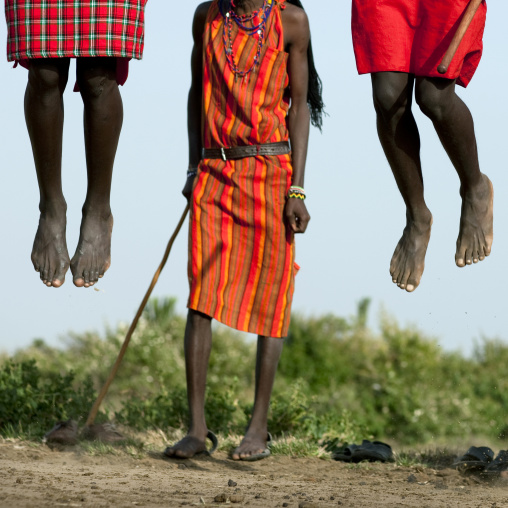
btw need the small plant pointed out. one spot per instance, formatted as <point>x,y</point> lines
<point>170,410</point>
<point>31,402</point>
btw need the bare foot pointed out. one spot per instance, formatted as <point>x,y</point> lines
<point>93,254</point>
<point>408,260</point>
<point>253,443</point>
<point>186,448</point>
<point>49,253</point>
<point>476,224</point>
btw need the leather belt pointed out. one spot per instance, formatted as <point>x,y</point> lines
<point>239,152</point>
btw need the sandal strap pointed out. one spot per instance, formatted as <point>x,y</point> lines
<point>215,442</point>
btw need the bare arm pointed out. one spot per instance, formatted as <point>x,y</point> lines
<point>195,100</point>
<point>297,37</point>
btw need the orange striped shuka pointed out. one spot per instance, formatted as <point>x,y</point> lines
<point>241,254</point>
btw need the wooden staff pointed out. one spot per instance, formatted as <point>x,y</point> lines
<point>459,35</point>
<point>93,413</point>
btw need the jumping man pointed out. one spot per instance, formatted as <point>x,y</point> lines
<point>43,37</point>
<point>254,88</point>
<point>401,44</point>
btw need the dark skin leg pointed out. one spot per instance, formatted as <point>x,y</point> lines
<point>44,114</point>
<point>455,127</point>
<point>400,140</point>
<point>103,117</point>
<point>268,354</point>
<point>197,344</point>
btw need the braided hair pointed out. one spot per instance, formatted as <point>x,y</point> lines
<point>315,93</point>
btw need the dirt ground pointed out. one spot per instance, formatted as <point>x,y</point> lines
<point>33,475</point>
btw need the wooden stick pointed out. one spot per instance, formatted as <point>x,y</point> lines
<point>459,35</point>
<point>95,409</point>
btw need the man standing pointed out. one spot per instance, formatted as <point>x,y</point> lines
<point>103,36</point>
<point>253,81</point>
<point>401,43</point>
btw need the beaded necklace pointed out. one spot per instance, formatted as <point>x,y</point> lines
<point>230,16</point>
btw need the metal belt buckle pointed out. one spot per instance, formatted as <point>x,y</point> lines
<point>223,153</point>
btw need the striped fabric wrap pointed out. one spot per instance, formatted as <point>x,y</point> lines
<point>74,28</point>
<point>241,254</point>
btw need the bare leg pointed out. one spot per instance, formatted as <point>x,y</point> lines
<point>268,355</point>
<point>455,127</point>
<point>198,344</point>
<point>44,114</point>
<point>103,119</point>
<point>400,140</point>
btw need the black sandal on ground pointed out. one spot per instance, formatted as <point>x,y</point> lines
<point>475,460</point>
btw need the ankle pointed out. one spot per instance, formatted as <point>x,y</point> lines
<point>101,210</point>
<point>199,431</point>
<point>419,217</point>
<point>53,207</point>
<point>475,184</point>
<point>257,428</point>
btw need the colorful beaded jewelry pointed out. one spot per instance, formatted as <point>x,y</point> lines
<point>259,30</point>
<point>296,192</point>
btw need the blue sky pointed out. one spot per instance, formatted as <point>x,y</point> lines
<point>357,213</point>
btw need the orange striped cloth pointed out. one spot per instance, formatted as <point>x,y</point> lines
<point>241,254</point>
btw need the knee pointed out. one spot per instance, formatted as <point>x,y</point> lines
<point>389,101</point>
<point>96,81</point>
<point>433,102</point>
<point>198,320</point>
<point>47,80</point>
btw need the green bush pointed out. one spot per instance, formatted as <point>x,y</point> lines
<point>31,402</point>
<point>170,410</point>
<point>337,380</point>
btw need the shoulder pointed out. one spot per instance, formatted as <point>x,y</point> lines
<point>295,23</point>
<point>202,11</point>
<point>295,16</point>
<point>200,15</point>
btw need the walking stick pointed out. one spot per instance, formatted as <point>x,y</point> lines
<point>459,35</point>
<point>93,413</point>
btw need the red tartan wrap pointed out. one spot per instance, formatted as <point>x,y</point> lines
<point>412,36</point>
<point>75,28</point>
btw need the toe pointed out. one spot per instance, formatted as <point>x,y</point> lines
<point>468,256</point>
<point>476,251</point>
<point>59,277</point>
<point>79,282</point>
<point>404,280</point>
<point>460,257</point>
<point>396,277</point>
<point>412,284</point>
<point>169,452</point>
<point>51,276</point>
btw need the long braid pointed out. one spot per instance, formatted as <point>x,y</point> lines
<point>315,93</point>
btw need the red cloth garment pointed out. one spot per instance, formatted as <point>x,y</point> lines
<point>241,253</point>
<point>412,36</point>
<point>70,29</point>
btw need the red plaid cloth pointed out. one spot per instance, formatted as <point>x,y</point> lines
<point>74,28</point>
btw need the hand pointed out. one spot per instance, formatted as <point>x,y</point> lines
<point>187,190</point>
<point>296,215</point>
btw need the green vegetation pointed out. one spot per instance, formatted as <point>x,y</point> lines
<point>338,382</point>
